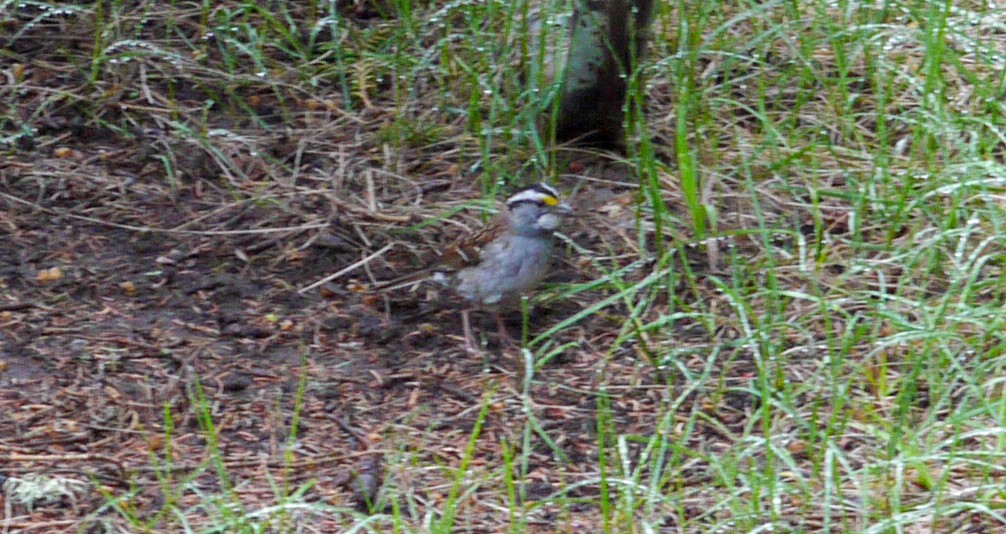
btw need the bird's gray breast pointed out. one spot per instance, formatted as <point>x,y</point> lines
<point>508,268</point>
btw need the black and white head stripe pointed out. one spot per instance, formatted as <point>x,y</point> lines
<point>538,194</point>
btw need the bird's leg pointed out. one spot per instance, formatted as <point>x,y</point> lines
<point>505,339</point>
<point>471,347</point>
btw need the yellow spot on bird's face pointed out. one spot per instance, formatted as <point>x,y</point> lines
<point>550,201</point>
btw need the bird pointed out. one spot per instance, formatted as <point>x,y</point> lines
<point>492,268</point>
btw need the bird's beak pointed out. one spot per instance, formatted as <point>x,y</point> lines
<point>563,209</point>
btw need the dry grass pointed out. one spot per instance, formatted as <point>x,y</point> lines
<point>781,310</point>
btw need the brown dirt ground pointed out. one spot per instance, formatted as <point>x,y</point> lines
<point>128,291</point>
<point>104,328</point>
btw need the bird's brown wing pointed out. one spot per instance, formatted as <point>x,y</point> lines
<point>462,253</point>
<point>467,252</point>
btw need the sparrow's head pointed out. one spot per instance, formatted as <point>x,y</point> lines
<point>536,210</point>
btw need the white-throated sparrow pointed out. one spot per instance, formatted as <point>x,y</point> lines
<point>490,269</point>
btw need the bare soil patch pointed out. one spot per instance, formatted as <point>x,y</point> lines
<point>126,300</point>
<point>154,234</point>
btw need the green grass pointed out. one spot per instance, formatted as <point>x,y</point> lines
<point>806,321</point>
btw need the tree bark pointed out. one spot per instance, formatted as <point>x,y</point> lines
<point>592,55</point>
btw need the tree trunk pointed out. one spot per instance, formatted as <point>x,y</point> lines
<point>591,54</point>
